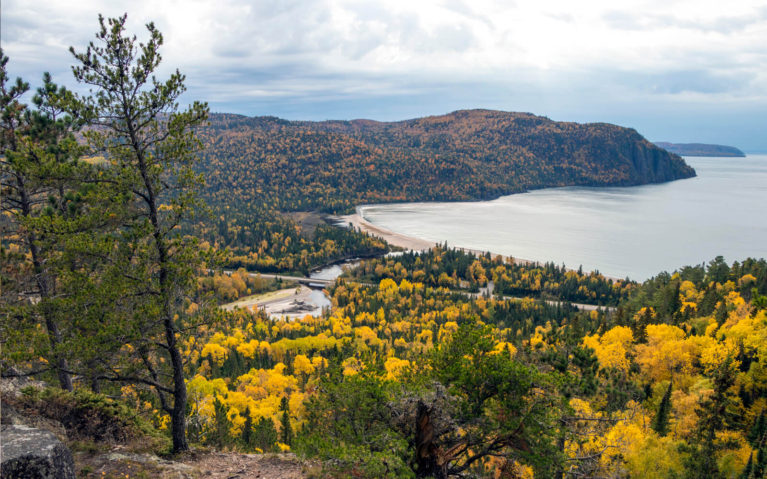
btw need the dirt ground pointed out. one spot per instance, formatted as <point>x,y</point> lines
<point>292,303</point>
<point>307,221</point>
<point>248,466</point>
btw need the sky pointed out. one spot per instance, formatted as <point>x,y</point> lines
<point>676,70</point>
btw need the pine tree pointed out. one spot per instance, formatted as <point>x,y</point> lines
<point>756,434</point>
<point>221,423</point>
<point>39,179</point>
<point>265,434</point>
<point>248,435</point>
<point>286,431</point>
<point>761,463</point>
<point>660,422</point>
<point>714,415</point>
<point>150,147</point>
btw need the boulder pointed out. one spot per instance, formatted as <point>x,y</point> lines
<point>29,453</point>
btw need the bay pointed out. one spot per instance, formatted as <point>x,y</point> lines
<point>633,232</point>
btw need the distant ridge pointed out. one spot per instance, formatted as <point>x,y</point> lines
<point>700,149</point>
<point>464,155</point>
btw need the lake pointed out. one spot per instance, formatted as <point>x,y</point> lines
<point>620,231</point>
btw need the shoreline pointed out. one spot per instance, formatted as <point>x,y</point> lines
<point>413,243</point>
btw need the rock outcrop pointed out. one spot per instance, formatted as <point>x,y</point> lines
<point>29,453</point>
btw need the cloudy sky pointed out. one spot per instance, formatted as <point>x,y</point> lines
<point>676,70</point>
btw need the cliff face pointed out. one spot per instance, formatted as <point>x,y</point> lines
<point>465,155</point>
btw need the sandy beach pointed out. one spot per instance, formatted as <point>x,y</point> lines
<point>419,244</point>
<point>408,242</point>
<point>394,239</point>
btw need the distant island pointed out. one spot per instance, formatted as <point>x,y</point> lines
<point>700,149</point>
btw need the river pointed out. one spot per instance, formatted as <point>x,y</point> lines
<point>631,232</point>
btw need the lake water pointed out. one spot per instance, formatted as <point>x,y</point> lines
<point>620,231</point>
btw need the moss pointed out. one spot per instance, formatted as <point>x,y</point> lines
<point>88,416</point>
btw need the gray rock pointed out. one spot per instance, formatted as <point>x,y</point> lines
<point>29,453</point>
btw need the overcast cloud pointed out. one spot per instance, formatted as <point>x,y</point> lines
<point>677,70</point>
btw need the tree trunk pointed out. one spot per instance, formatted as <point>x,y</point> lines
<point>178,418</point>
<point>426,453</point>
<point>54,334</point>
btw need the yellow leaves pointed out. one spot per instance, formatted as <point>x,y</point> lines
<point>645,312</point>
<point>304,344</point>
<point>252,347</point>
<point>395,367</point>
<point>625,438</point>
<point>629,448</point>
<point>164,421</point>
<point>367,336</point>
<point>688,292</point>
<point>665,352</point>
<point>735,456</point>
<point>302,365</point>
<point>341,327</point>
<point>447,329</point>
<point>684,419</point>
<point>659,333</point>
<point>387,284</point>
<point>351,366</point>
<point>712,327</point>
<point>235,419</point>
<point>283,447</point>
<point>259,383</point>
<point>215,352</point>
<point>199,387</point>
<point>504,347</point>
<point>536,341</point>
<point>319,362</point>
<point>248,349</point>
<point>612,348</point>
<point>713,355</point>
<point>746,280</point>
<point>655,458</point>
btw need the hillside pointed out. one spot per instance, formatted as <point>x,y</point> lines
<point>464,155</point>
<point>700,149</point>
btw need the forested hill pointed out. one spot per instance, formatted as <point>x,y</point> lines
<point>464,155</point>
<point>701,149</point>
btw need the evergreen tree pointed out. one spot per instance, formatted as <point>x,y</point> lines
<point>761,463</point>
<point>756,435</point>
<point>265,435</point>
<point>150,147</point>
<point>39,180</point>
<point>286,431</point>
<point>221,424</point>
<point>248,434</point>
<point>660,422</point>
<point>714,415</point>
